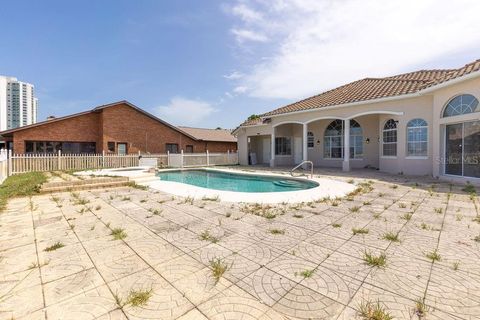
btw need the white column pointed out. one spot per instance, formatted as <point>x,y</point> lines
<point>346,145</point>
<point>305,142</point>
<point>272,149</point>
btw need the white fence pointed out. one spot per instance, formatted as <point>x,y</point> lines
<point>21,163</point>
<point>3,165</point>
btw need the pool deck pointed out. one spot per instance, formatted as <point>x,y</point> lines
<point>302,261</point>
<point>327,187</point>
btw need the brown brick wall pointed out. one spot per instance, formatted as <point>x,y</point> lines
<point>118,124</point>
<point>83,128</point>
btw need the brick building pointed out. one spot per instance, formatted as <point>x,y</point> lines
<point>119,127</point>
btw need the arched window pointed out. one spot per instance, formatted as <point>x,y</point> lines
<point>417,138</point>
<point>462,104</point>
<point>389,138</point>
<point>333,140</point>
<point>310,139</point>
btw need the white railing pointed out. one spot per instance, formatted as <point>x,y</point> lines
<point>21,163</point>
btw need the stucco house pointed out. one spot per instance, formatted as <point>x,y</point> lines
<point>424,122</point>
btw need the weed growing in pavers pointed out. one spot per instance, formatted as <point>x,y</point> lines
<point>206,236</point>
<point>305,273</point>
<point>118,300</point>
<point>373,260</point>
<point>263,210</point>
<point>311,204</point>
<point>351,181</point>
<point>219,267</point>
<point>394,186</point>
<point>476,219</point>
<point>391,236</point>
<point>354,209</point>
<point>438,210</point>
<point>35,264</point>
<point>111,197</point>
<point>98,207</point>
<point>385,206</point>
<point>125,198</point>
<point>369,310</point>
<point>228,214</point>
<point>92,228</point>
<point>186,200</point>
<point>72,226</point>
<point>477,238</point>
<point>402,205</point>
<point>214,198</point>
<point>137,186</point>
<point>376,215</point>
<point>367,203</point>
<point>381,194</point>
<point>298,216</point>
<point>470,189</point>
<point>434,256</point>
<point>138,298</point>
<point>350,198</point>
<point>424,226</point>
<point>456,265</point>
<point>356,231</point>
<point>458,217</point>
<point>118,233</point>
<point>420,308</point>
<point>55,246</point>
<point>297,206</point>
<point>334,203</point>
<point>336,225</point>
<point>407,216</point>
<point>156,212</point>
<point>143,200</point>
<point>276,231</point>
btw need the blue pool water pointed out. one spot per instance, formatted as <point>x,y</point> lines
<point>235,181</point>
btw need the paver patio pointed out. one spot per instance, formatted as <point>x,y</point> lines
<point>92,274</point>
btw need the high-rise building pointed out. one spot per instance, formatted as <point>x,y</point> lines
<point>18,105</point>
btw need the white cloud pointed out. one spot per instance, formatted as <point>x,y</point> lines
<point>240,89</point>
<point>317,45</point>
<point>243,35</point>
<point>234,75</point>
<point>246,13</point>
<point>183,111</point>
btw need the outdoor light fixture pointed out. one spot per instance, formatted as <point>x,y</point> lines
<point>318,141</point>
<point>367,141</point>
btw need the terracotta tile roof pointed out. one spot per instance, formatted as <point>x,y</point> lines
<point>374,88</point>
<point>223,135</point>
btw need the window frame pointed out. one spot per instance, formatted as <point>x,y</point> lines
<point>448,104</point>
<point>310,140</point>
<point>285,149</point>
<point>416,127</point>
<point>329,138</point>
<point>390,143</point>
<point>167,145</point>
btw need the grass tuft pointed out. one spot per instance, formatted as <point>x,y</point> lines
<point>356,231</point>
<point>118,234</point>
<point>276,231</point>
<point>391,236</point>
<point>369,310</point>
<point>139,298</point>
<point>55,246</point>
<point>20,185</point>
<point>434,256</point>
<point>375,261</point>
<point>206,236</point>
<point>218,268</point>
<point>336,225</point>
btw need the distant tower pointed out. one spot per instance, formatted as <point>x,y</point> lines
<point>18,105</point>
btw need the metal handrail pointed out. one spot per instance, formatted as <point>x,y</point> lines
<point>301,164</point>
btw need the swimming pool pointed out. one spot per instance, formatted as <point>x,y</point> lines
<point>236,182</point>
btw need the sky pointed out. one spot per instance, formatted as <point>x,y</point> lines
<point>208,63</point>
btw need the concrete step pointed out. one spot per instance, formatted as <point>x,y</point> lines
<point>87,184</point>
<point>144,178</point>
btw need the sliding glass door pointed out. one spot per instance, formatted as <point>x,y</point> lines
<point>462,149</point>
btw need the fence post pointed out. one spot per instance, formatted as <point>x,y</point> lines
<point>228,156</point>
<point>59,158</point>
<point>181,157</point>
<point>103,158</point>
<point>10,169</point>
<point>168,158</point>
<point>208,159</point>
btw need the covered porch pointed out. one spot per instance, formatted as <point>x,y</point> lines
<point>328,141</point>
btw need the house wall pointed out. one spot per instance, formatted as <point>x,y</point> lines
<point>372,117</point>
<point>84,128</point>
<point>119,124</point>
<point>440,98</point>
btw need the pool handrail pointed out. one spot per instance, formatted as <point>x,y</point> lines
<point>301,164</point>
